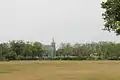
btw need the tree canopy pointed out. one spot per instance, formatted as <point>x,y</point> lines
<point>111,15</point>
<point>21,50</point>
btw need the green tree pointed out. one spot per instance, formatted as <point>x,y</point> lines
<point>65,49</point>
<point>4,50</point>
<point>17,46</point>
<point>81,50</point>
<point>28,49</point>
<point>11,56</point>
<point>37,49</point>
<point>111,15</point>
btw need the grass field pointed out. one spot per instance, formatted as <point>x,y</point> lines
<point>60,70</point>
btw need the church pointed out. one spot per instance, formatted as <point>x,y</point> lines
<point>50,49</point>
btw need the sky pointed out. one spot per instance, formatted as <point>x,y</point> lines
<point>72,21</point>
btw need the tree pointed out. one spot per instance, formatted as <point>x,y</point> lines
<point>65,49</point>
<point>4,50</point>
<point>111,15</point>
<point>37,49</point>
<point>11,56</point>
<point>28,49</point>
<point>81,50</point>
<point>17,46</point>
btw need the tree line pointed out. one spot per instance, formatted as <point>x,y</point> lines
<point>92,51</point>
<point>21,50</point>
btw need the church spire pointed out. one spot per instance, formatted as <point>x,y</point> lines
<point>53,47</point>
<point>53,40</point>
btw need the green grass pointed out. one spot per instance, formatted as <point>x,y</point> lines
<point>60,70</point>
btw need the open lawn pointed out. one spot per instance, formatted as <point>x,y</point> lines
<point>60,70</point>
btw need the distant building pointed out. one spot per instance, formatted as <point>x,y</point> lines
<point>50,49</point>
<point>53,48</point>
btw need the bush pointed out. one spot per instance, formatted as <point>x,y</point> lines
<point>2,58</point>
<point>19,57</point>
<point>11,56</point>
<point>65,58</point>
<point>113,58</point>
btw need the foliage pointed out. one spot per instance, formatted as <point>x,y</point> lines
<point>20,50</point>
<point>111,15</point>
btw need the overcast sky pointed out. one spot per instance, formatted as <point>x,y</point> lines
<point>65,20</point>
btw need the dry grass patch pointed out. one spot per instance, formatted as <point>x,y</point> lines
<point>60,70</point>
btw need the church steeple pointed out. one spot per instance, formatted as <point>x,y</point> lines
<point>53,47</point>
<point>53,42</point>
